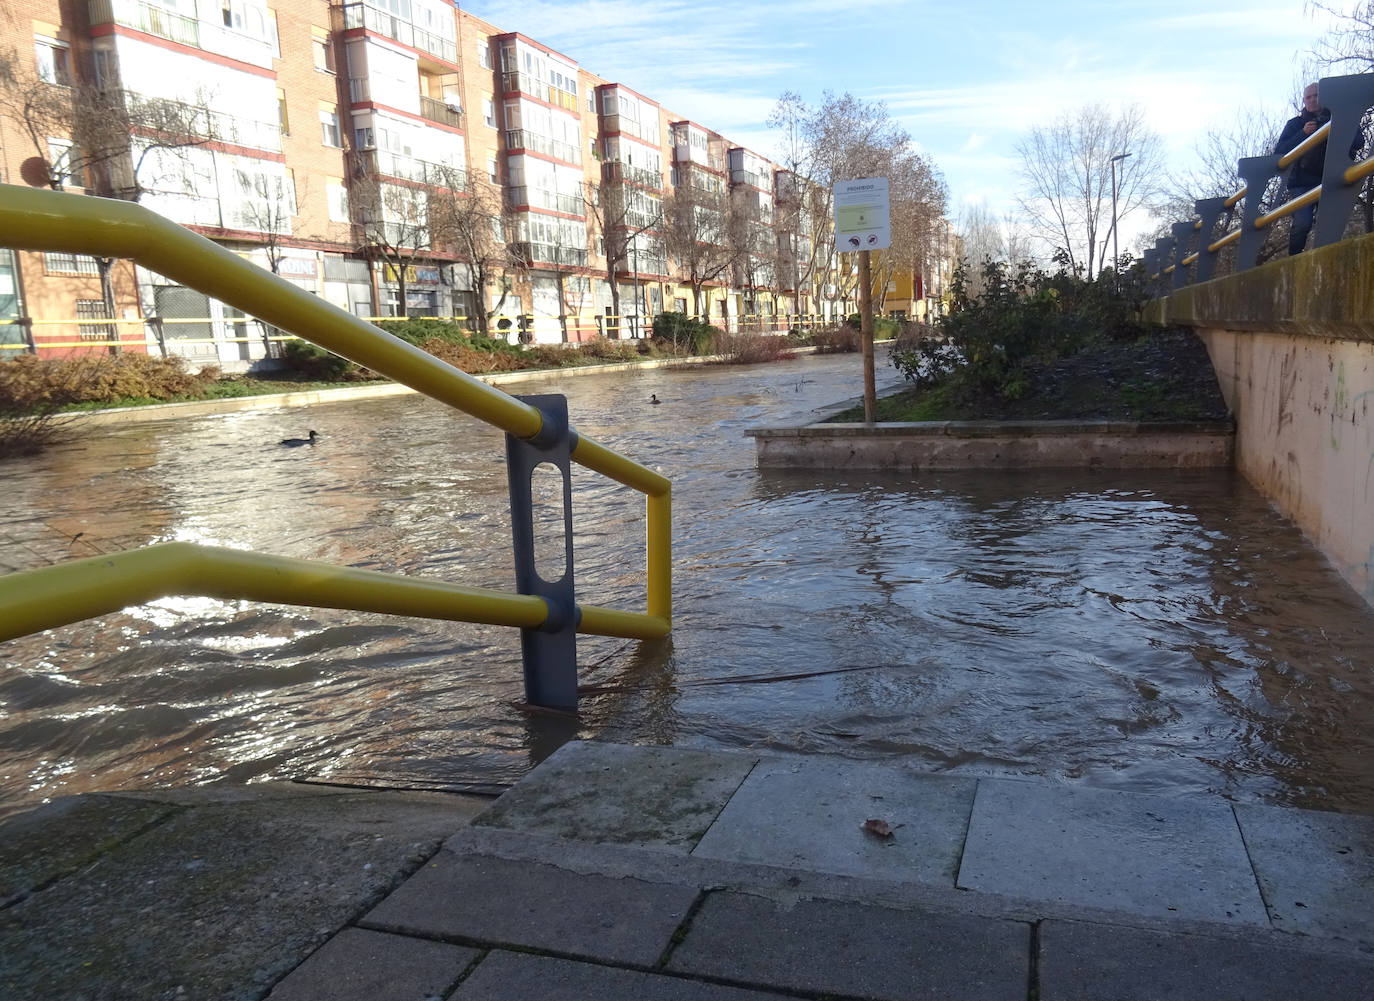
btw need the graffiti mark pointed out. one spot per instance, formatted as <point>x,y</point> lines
<point>1288,384</point>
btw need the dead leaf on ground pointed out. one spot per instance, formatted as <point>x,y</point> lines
<point>878,828</point>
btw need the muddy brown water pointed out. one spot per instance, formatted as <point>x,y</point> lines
<point>1163,632</point>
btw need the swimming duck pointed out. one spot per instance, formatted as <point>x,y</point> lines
<point>653,398</point>
<point>297,442</point>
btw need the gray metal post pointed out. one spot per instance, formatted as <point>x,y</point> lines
<point>549,653</point>
<point>1151,259</point>
<point>1347,97</point>
<point>1256,172</point>
<point>1183,232</point>
<point>1210,209</point>
<point>1164,254</point>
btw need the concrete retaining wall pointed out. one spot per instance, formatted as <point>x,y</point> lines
<point>1293,346</point>
<point>945,445</point>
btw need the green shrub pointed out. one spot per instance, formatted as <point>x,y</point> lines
<point>1023,316</point>
<point>419,329</point>
<point>685,333</point>
<point>309,361</point>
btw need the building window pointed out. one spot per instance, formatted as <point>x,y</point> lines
<point>283,119</point>
<point>323,49</point>
<point>484,54</point>
<point>329,127</point>
<point>493,170</point>
<point>70,264</point>
<point>94,309</point>
<point>591,101</point>
<point>337,196</point>
<point>106,69</point>
<point>54,61</point>
<point>64,161</point>
<point>489,113</point>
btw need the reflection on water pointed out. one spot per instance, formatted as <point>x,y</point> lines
<point>1150,631</point>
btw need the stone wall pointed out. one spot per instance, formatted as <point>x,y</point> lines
<point>1293,346</point>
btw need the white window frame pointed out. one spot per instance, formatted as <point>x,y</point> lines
<point>52,68</point>
<point>329,129</point>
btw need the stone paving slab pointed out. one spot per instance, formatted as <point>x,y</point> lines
<point>1316,870</point>
<point>358,965</point>
<point>505,976</point>
<point>842,948</point>
<point>536,906</point>
<point>616,794</point>
<point>808,813</point>
<point>1094,962</point>
<point>1099,848</point>
<point>217,901</point>
<point>32,854</point>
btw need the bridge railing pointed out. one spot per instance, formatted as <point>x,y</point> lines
<point>537,433</point>
<point>1190,253</point>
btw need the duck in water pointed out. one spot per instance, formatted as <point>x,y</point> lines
<point>653,398</point>
<point>297,442</point>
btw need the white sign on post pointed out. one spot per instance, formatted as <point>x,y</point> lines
<point>862,216</point>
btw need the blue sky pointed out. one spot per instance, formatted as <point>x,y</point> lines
<point>966,79</point>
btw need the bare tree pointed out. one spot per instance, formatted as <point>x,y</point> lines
<point>983,241</point>
<point>846,138</point>
<point>91,134</point>
<point>1067,168</point>
<point>393,218</point>
<point>471,226</point>
<point>1251,132</point>
<point>696,232</point>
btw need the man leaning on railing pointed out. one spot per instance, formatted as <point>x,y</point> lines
<point>1306,174</point>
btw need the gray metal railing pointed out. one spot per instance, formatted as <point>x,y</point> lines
<point>1195,244</point>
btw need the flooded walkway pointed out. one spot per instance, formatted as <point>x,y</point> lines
<point>1159,633</point>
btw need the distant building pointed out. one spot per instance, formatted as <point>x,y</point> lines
<point>336,143</point>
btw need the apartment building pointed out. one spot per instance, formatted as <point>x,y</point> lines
<point>391,156</point>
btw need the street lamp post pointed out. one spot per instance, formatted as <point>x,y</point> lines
<point>1116,256</point>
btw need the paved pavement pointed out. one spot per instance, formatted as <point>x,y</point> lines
<point>617,872</point>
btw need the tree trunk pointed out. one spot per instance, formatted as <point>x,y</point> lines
<point>105,265</point>
<point>615,295</point>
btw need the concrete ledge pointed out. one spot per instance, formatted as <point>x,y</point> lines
<point>1325,292</point>
<point>949,445</point>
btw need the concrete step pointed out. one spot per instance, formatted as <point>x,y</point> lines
<point>628,873</point>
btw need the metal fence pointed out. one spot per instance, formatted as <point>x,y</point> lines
<point>1190,253</point>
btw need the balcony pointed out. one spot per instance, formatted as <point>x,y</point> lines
<point>537,198</point>
<point>409,168</point>
<point>438,111</point>
<point>364,15</point>
<point>523,139</point>
<point>613,172</point>
<point>749,177</point>
<point>214,126</point>
<point>513,82</point>
<point>148,18</point>
<point>548,253</point>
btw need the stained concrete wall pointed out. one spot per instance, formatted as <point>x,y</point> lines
<point>1293,346</point>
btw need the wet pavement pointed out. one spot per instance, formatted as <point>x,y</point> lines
<point>636,872</point>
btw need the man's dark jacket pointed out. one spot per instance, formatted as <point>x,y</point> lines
<point>1307,172</point>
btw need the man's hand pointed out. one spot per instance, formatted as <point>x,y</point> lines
<point>1309,128</point>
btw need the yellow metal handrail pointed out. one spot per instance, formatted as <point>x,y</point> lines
<point>40,220</point>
